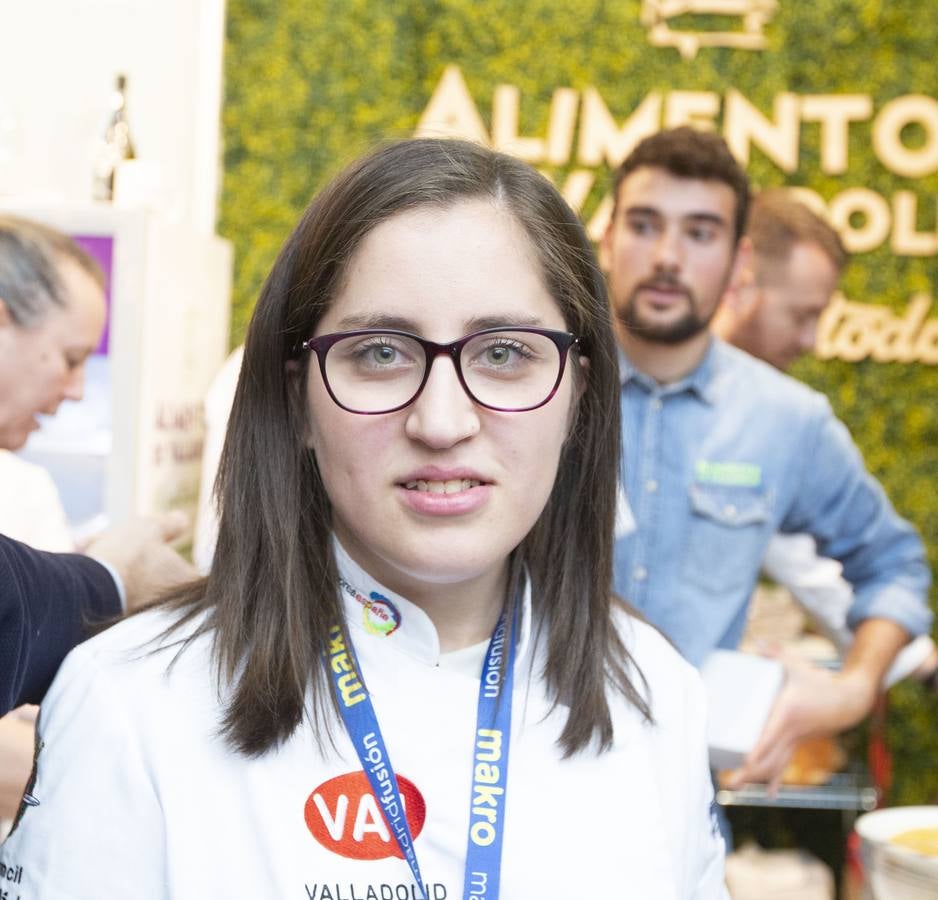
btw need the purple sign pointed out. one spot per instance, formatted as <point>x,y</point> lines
<point>101,247</point>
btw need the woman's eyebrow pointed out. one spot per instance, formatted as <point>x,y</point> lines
<point>378,320</point>
<point>482,322</point>
<point>401,323</point>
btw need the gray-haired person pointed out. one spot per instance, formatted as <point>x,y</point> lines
<point>52,313</point>
<point>51,316</point>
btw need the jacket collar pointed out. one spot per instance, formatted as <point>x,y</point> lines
<point>375,613</point>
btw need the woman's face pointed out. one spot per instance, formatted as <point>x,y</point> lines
<point>440,274</point>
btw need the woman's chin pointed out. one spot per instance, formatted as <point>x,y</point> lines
<point>434,563</point>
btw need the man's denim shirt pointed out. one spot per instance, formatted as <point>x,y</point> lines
<point>717,463</point>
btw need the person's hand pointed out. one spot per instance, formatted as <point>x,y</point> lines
<point>140,553</point>
<point>812,703</point>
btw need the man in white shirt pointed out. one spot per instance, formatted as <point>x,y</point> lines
<point>774,314</point>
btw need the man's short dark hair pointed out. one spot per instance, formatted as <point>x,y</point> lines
<point>778,221</point>
<point>688,153</point>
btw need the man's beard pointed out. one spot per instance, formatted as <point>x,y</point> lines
<point>687,326</point>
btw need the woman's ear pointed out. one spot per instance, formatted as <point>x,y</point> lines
<point>580,378</point>
<point>583,375</point>
<point>296,390</point>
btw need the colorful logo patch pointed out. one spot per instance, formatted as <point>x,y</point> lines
<point>344,815</point>
<point>379,615</point>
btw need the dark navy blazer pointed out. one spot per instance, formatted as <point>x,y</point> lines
<point>48,602</point>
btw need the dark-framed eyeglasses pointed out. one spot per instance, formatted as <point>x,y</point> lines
<point>376,370</point>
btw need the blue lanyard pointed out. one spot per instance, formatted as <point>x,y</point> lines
<point>489,763</point>
<point>490,769</point>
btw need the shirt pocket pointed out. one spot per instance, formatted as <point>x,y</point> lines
<point>729,528</point>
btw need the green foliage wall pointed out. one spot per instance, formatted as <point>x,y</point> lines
<point>312,84</point>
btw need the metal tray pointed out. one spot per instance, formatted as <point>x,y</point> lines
<point>849,790</point>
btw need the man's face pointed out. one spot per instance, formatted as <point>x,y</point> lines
<point>669,254</point>
<point>792,296</point>
<point>43,365</point>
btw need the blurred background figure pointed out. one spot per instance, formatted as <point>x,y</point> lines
<point>52,314</point>
<point>796,262</point>
<point>721,452</point>
<point>774,314</point>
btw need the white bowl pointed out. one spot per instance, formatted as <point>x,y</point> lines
<point>896,873</point>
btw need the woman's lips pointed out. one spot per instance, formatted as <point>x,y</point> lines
<point>452,486</point>
<point>452,497</point>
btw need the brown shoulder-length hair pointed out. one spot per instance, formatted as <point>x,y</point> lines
<point>271,595</point>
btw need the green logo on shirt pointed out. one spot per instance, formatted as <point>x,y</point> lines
<point>730,474</point>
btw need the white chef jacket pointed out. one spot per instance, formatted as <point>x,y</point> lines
<point>820,589</point>
<point>30,507</point>
<point>138,797</point>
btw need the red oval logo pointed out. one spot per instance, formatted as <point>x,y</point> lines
<point>344,815</point>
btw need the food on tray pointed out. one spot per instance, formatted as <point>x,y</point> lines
<point>814,762</point>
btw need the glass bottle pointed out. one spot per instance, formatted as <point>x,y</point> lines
<point>115,146</point>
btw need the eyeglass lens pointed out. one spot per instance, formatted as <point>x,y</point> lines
<point>510,370</point>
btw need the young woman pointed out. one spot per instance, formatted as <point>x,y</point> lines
<point>404,675</point>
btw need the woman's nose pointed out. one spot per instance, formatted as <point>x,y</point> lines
<point>443,414</point>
